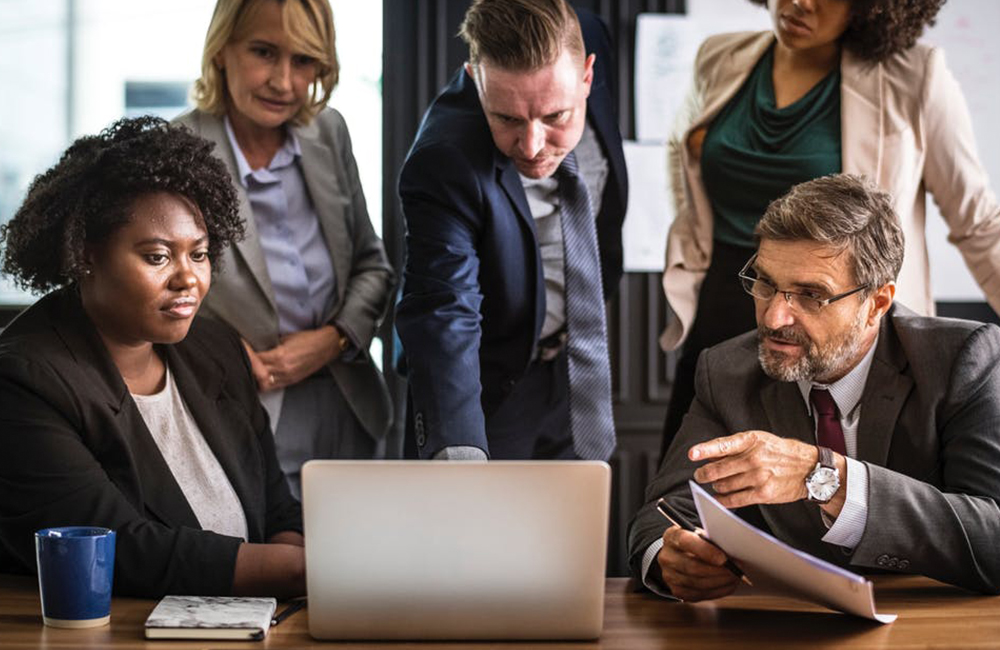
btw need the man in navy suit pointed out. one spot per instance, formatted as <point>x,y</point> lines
<point>503,333</point>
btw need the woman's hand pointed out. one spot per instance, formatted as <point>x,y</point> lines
<point>298,356</point>
<point>260,372</point>
<point>273,569</point>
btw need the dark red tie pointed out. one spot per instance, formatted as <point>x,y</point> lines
<point>828,431</point>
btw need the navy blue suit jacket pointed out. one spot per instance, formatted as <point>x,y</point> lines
<point>474,295</point>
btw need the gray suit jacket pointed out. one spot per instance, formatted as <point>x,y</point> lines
<point>929,434</point>
<point>242,294</point>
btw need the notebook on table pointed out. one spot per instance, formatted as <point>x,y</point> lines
<point>455,550</point>
<point>210,617</point>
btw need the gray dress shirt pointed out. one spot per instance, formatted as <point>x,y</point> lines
<point>298,260</point>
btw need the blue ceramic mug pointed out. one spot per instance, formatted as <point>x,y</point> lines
<point>75,572</point>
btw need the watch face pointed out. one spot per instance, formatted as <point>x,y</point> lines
<point>823,484</point>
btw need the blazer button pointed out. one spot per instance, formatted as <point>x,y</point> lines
<point>893,562</point>
<point>882,560</point>
<point>418,429</point>
<point>903,565</point>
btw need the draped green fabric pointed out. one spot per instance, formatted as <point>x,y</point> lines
<point>754,152</point>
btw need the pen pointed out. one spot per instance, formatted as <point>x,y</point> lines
<point>676,518</point>
<point>288,611</point>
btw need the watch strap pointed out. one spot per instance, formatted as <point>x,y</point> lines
<point>826,457</point>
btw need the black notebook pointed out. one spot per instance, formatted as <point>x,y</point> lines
<point>210,617</point>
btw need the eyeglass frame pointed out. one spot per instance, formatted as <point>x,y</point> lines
<point>822,302</point>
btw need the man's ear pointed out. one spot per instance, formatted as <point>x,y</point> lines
<point>471,71</point>
<point>881,301</point>
<point>588,71</point>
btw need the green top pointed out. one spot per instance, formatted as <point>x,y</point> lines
<point>754,152</point>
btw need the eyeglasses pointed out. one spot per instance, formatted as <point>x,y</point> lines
<point>806,303</point>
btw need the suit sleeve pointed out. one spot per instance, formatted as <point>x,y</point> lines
<point>282,511</point>
<point>370,285</point>
<point>49,477</point>
<point>948,533</point>
<point>438,318</point>
<point>955,177</point>
<point>683,258</point>
<point>671,480</point>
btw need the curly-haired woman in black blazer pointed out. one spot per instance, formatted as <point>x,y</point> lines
<point>119,407</point>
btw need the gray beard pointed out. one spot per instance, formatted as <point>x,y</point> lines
<point>817,363</point>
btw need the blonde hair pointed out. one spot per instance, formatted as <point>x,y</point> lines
<point>309,26</point>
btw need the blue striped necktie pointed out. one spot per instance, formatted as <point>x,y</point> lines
<point>591,419</point>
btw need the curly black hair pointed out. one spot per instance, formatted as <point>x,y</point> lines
<point>881,28</point>
<point>89,194</point>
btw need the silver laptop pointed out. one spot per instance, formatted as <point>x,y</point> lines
<point>455,550</point>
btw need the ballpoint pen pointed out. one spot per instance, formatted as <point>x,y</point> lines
<point>676,518</point>
<point>288,611</point>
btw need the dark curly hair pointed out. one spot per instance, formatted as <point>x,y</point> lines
<point>89,193</point>
<point>881,28</point>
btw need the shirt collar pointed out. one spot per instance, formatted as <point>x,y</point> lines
<point>287,154</point>
<point>846,391</point>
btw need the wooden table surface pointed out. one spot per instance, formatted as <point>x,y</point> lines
<point>931,615</point>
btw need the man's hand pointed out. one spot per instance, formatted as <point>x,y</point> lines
<point>298,356</point>
<point>693,568</point>
<point>755,467</point>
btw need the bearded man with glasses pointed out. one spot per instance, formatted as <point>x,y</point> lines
<point>845,425</point>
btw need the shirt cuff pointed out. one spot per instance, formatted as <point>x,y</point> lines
<point>461,452</point>
<point>649,561</point>
<point>353,349</point>
<point>849,527</point>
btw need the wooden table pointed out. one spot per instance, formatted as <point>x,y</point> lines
<point>931,615</point>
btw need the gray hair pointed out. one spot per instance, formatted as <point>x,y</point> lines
<point>847,212</point>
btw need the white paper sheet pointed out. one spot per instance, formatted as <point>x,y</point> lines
<point>665,47</point>
<point>650,210</point>
<point>771,564</point>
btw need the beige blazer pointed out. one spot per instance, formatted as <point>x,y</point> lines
<point>904,124</point>
<point>242,295</point>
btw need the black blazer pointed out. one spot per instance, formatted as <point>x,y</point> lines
<point>74,450</point>
<point>473,299</point>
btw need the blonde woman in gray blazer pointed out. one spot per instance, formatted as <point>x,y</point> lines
<point>902,122</point>
<point>309,285</point>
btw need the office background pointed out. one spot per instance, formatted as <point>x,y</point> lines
<point>69,67</point>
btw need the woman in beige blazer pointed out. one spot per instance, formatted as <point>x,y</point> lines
<point>309,285</point>
<point>902,121</point>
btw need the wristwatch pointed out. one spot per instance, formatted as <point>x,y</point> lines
<point>824,481</point>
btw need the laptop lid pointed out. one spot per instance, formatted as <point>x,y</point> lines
<point>455,550</point>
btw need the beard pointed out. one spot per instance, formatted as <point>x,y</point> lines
<point>818,363</point>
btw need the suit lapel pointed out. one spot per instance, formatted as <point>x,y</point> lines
<point>510,181</point>
<point>152,479</point>
<point>329,199</point>
<point>885,393</point>
<point>733,72</point>
<point>861,116</point>
<point>249,249</point>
